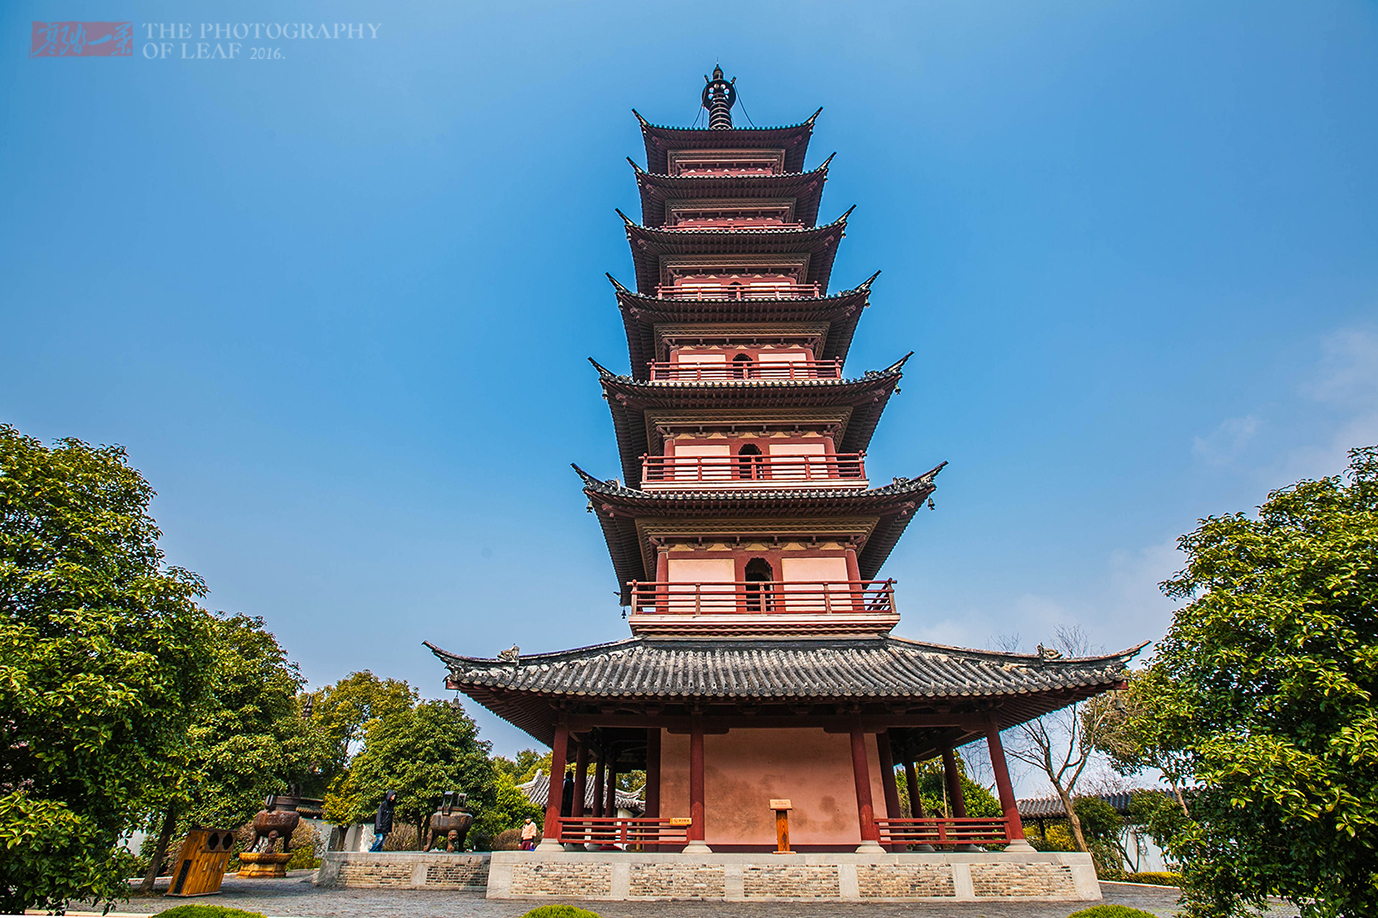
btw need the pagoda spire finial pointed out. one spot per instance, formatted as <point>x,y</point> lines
<point>718,97</point>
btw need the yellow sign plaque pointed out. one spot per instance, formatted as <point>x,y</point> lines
<point>681,821</point>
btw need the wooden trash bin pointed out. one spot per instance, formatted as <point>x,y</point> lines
<point>201,863</point>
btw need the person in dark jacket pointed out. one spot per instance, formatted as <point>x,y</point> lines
<point>567,795</point>
<point>382,820</point>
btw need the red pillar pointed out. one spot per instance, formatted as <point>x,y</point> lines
<point>610,807</point>
<point>954,785</point>
<point>557,777</point>
<point>581,770</point>
<point>653,777</point>
<point>696,808</point>
<point>1002,782</point>
<point>598,785</point>
<point>653,773</point>
<point>887,775</point>
<point>861,772</point>
<point>911,781</point>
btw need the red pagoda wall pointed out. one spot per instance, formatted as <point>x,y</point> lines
<point>745,769</point>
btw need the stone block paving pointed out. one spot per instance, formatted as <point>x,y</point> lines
<point>297,897</point>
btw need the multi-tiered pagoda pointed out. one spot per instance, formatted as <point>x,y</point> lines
<point>748,542</point>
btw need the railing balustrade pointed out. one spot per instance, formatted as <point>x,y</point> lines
<point>758,291</point>
<point>762,596</point>
<point>943,832</point>
<point>686,371</point>
<point>712,223</point>
<point>608,830</point>
<point>847,468</point>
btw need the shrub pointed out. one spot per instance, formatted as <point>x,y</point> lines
<point>1157,878</point>
<point>1111,911</point>
<point>507,840</point>
<point>206,911</point>
<point>559,911</point>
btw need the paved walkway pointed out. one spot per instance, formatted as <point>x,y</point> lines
<point>297,897</point>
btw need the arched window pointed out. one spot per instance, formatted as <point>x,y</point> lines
<point>741,366</point>
<point>750,463</point>
<point>759,577</point>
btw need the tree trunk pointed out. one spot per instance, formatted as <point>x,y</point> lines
<point>1073,819</point>
<point>155,863</point>
<point>1181,801</point>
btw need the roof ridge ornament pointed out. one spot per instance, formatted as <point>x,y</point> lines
<point>718,97</point>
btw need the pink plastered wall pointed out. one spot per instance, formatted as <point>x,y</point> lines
<point>745,769</point>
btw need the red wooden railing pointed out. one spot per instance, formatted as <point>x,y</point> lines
<point>739,223</point>
<point>664,371</point>
<point>763,291</point>
<point>711,470</point>
<point>665,598</point>
<point>943,832</point>
<point>605,830</point>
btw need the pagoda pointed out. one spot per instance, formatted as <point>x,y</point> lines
<point>761,676</point>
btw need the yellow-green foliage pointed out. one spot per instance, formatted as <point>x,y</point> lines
<point>206,911</point>
<point>1156,878</point>
<point>1111,911</point>
<point>559,911</point>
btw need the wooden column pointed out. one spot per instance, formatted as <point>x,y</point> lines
<point>1008,804</point>
<point>861,773</point>
<point>653,773</point>
<point>911,781</point>
<point>598,784</point>
<point>551,837</point>
<point>652,778</point>
<point>887,775</point>
<point>610,807</point>
<point>581,771</point>
<point>955,796</point>
<point>696,808</point>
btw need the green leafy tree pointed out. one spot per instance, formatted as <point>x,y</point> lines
<point>1265,687</point>
<point>249,739</point>
<point>1126,727</point>
<point>104,658</point>
<point>421,753</point>
<point>510,809</point>
<point>345,711</point>
<point>524,767</point>
<point>980,802</point>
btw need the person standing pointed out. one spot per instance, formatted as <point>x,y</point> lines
<point>382,820</point>
<point>528,835</point>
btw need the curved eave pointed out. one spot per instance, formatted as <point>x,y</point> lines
<point>661,139</point>
<point>806,188</point>
<point>641,314</point>
<point>628,400</point>
<point>875,673</point>
<point>820,243</point>
<point>618,508</point>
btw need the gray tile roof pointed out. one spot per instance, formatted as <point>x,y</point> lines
<point>537,790</point>
<point>882,668</point>
<point>641,314</point>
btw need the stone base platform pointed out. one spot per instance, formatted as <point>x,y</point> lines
<point>986,876</point>
<point>403,870</point>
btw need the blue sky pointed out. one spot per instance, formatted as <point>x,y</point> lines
<point>337,306</point>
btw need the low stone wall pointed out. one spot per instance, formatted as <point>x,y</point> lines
<point>403,869</point>
<point>957,876</point>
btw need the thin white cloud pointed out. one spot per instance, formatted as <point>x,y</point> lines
<point>1227,442</point>
<point>1346,380</point>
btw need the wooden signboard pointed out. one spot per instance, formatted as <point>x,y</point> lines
<point>201,863</point>
<point>781,808</point>
<point>681,821</point>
